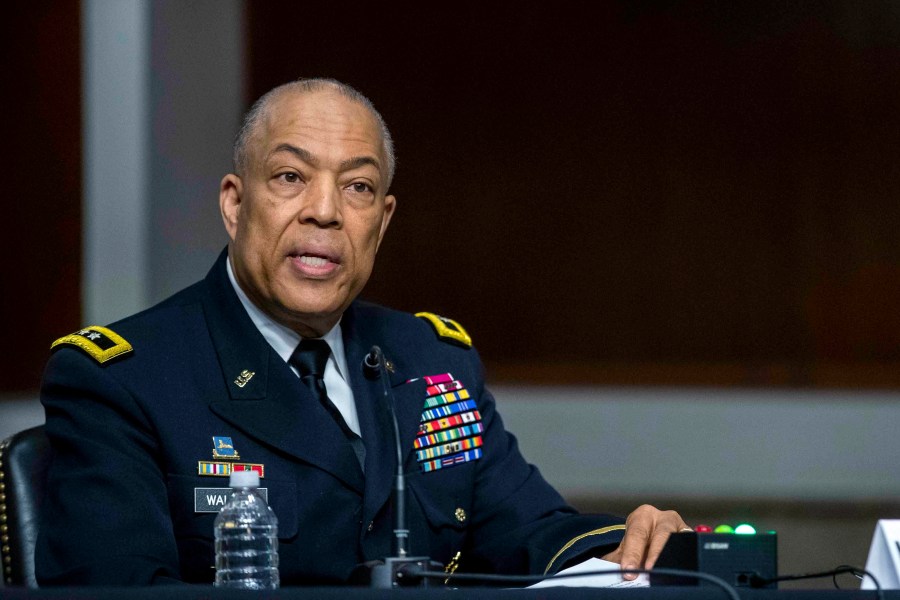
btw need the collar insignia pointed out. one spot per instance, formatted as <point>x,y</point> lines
<point>244,378</point>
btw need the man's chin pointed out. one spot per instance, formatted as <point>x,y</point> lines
<point>310,319</point>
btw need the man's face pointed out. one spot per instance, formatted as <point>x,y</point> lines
<point>308,215</point>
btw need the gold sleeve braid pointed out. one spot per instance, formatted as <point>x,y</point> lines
<point>576,539</point>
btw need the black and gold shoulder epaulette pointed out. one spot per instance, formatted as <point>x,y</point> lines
<point>447,329</point>
<point>99,343</point>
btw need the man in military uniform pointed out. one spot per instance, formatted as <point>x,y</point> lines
<point>262,366</point>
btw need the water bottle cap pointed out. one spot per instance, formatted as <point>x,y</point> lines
<point>241,479</point>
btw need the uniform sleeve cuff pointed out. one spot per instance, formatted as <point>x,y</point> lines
<point>596,542</point>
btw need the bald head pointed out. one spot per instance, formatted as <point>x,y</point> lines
<point>260,110</point>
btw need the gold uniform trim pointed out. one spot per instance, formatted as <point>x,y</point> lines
<point>447,328</point>
<point>82,339</point>
<point>576,539</point>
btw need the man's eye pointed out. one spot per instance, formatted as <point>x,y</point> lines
<point>289,177</point>
<point>360,188</point>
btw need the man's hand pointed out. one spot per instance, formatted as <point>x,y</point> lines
<point>647,530</point>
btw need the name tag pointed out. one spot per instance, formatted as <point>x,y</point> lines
<point>211,500</point>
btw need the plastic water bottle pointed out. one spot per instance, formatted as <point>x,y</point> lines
<point>246,537</point>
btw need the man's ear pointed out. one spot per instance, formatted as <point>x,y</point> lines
<point>230,195</point>
<point>390,205</point>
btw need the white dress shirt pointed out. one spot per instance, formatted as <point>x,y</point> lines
<point>284,341</point>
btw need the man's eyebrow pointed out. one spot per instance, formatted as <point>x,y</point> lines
<point>307,157</point>
<point>359,161</point>
<point>301,153</point>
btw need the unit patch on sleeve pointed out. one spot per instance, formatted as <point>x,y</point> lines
<point>450,428</point>
<point>447,329</point>
<point>99,343</point>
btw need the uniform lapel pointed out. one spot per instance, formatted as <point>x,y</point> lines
<point>266,400</point>
<point>409,398</point>
<point>373,410</point>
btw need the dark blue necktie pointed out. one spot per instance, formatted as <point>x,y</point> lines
<point>310,358</point>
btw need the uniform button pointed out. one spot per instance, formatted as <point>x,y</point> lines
<point>460,515</point>
<point>371,526</point>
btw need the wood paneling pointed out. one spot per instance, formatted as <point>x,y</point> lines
<point>639,185</point>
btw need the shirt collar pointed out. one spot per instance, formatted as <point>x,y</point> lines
<point>284,340</point>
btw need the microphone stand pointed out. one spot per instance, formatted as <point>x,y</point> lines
<point>399,569</point>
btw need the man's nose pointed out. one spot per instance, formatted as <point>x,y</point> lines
<point>322,205</point>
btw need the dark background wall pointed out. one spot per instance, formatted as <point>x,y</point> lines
<point>617,192</point>
<point>633,192</point>
<point>40,243</point>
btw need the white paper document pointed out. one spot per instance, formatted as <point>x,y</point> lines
<point>884,556</point>
<point>611,580</point>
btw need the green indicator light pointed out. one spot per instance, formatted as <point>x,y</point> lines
<point>723,529</point>
<point>745,529</point>
<point>772,532</point>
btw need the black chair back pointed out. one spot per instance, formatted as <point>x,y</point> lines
<point>24,459</point>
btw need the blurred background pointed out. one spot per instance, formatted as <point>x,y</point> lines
<point>670,227</point>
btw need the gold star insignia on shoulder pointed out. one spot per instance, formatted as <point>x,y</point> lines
<point>447,329</point>
<point>100,343</point>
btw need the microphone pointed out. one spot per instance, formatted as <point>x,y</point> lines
<point>400,569</point>
<point>372,363</point>
<point>400,543</point>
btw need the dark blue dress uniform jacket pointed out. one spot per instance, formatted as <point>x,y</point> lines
<point>129,434</point>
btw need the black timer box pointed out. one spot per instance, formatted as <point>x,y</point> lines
<point>738,559</point>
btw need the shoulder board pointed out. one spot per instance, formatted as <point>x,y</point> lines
<point>447,329</point>
<point>99,343</point>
